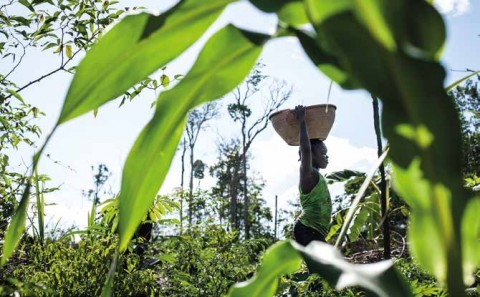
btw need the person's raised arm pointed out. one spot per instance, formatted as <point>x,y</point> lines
<point>308,174</point>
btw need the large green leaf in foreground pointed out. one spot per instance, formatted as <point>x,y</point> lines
<point>134,48</point>
<point>418,117</point>
<point>224,62</point>
<point>285,257</point>
<point>16,227</point>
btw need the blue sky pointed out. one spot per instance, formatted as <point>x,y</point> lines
<point>88,141</point>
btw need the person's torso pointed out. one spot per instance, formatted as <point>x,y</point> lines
<point>317,207</point>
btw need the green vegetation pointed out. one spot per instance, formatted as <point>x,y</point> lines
<point>132,245</point>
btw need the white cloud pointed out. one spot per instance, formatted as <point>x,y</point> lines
<point>452,7</point>
<point>278,164</point>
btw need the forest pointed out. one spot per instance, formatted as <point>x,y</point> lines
<point>408,225</point>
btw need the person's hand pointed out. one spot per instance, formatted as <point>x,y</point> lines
<point>299,113</point>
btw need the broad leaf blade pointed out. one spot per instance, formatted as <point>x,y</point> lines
<point>293,13</point>
<point>133,49</point>
<point>470,238</point>
<point>16,227</point>
<point>380,278</point>
<point>370,12</point>
<point>280,259</point>
<point>223,63</point>
<point>285,256</point>
<point>427,150</point>
<point>325,62</point>
<point>343,175</point>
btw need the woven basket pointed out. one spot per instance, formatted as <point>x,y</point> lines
<point>319,120</point>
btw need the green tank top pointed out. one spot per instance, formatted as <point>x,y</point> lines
<point>317,207</point>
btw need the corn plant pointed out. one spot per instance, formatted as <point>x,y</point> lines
<point>388,48</point>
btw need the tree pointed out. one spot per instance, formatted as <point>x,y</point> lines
<point>239,111</point>
<point>197,121</point>
<point>56,29</point>
<point>227,171</point>
<point>51,26</point>
<point>229,189</point>
<point>467,102</point>
<point>99,180</point>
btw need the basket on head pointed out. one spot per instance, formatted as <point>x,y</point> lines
<point>319,119</point>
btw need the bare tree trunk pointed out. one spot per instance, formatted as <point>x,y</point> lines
<point>184,150</point>
<point>246,203</point>
<point>383,184</point>
<point>233,201</point>
<point>190,190</point>
<point>276,221</point>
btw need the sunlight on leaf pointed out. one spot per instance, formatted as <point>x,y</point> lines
<point>134,48</point>
<point>371,15</point>
<point>285,257</point>
<point>293,13</point>
<point>280,259</point>
<point>223,63</point>
<point>471,239</point>
<point>16,226</point>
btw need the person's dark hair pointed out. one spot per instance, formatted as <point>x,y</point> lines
<point>313,142</point>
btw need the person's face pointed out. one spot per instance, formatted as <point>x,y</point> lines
<point>319,155</point>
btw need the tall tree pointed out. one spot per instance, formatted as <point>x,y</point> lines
<point>239,111</point>
<point>227,170</point>
<point>229,189</point>
<point>467,101</point>
<point>197,121</point>
<point>383,183</point>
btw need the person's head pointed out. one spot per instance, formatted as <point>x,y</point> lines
<point>319,154</point>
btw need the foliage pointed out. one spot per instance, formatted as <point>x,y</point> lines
<point>205,261</point>
<point>467,101</point>
<point>367,217</point>
<point>17,127</point>
<point>304,284</point>
<point>421,282</point>
<point>395,58</point>
<point>197,121</point>
<point>229,190</point>
<point>285,257</point>
<point>66,268</point>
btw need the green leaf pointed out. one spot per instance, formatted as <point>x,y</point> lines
<point>456,83</point>
<point>280,259</point>
<point>284,257</point>
<point>16,227</point>
<point>425,151</point>
<point>16,95</point>
<point>380,278</point>
<point>107,289</point>
<point>133,49</point>
<point>164,80</point>
<point>4,122</point>
<point>319,11</point>
<point>271,5</point>
<point>27,5</point>
<point>293,13</point>
<point>425,30</point>
<point>371,14</point>
<point>358,197</point>
<point>325,62</point>
<point>470,238</point>
<point>342,176</point>
<point>423,220</point>
<point>68,51</point>
<point>223,63</point>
